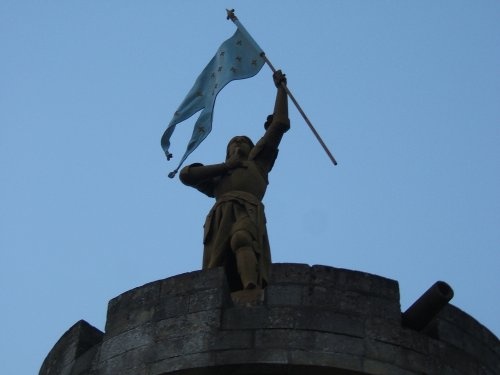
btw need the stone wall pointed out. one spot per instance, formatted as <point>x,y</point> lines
<point>74,351</point>
<point>309,320</point>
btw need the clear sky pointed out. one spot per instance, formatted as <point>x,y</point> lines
<point>405,93</point>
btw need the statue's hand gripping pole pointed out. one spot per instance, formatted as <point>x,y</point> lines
<point>231,16</point>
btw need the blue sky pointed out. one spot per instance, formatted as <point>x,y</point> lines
<point>406,94</point>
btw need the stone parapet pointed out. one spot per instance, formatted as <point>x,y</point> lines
<point>314,320</point>
<point>74,351</point>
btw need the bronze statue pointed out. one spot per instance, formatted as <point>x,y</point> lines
<point>235,234</point>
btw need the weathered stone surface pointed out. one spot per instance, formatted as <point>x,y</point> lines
<point>68,354</point>
<point>460,330</point>
<point>202,321</point>
<point>132,308</point>
<point>248,297</point>
<point>259,368</point>
<point>290,273</point>
<point>129,340</point>
<point>189,283</point>
<point>309,320</point>
<point>130,362</point>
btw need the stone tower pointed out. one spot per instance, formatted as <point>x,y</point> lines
<point>308,320</point>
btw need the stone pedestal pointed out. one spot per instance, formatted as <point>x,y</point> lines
<point>309,320</point>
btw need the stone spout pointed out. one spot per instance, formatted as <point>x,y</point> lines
<point>423,310</point>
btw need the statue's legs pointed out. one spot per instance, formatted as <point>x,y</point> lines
<point>246,260</point>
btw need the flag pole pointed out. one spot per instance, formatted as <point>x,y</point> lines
<point>232,17</point>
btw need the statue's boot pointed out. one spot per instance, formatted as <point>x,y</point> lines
<point>247,267</point>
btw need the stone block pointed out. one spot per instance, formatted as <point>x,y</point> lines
<point>132,339</point>
<point>288,317</point>
<point>374,367</point>
<point>456,360</point>
<point>76,341</point>
<point>191,361</point>
<point>203,321</point>
<point>189,283</point>
<point>471,326</point>
<point>85,362</point>
<point>247,298</point>
<point>131,362</point>
<point>281,317</point>
<point>351,303</point>
<point>355,281</point>
<point>266,339</point>
<point>289,273</point>
<point>322,320</point>
<point>335,343</point>
<point>231,340</point>
<point>455,327</point>
<point>171,306</point>
<point>193,342</point>
<point>342,363</point>
<point>311,341</point>
<point>245,318</point>
<point>190,343</point>
<point>391,332</point>
<point>133,308</point>
<point>208,299</point>
<point>469,344</point>
<point>285,295</point>
<point>397,355</point>
<point>266,356</point>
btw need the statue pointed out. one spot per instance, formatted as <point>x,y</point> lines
<point>235,234</point>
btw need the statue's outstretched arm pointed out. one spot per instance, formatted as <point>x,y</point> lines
<point>195,173</point>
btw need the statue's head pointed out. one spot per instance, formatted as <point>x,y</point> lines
<point>240,144</point>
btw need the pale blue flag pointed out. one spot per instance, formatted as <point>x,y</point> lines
<point>239,57</point>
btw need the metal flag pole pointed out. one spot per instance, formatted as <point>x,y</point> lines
<point>231,16</point>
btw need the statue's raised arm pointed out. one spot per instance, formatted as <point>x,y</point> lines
<point>277,124</point>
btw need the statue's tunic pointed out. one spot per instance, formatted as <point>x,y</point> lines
<point>238,205</point>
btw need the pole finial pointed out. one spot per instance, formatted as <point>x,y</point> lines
<point>230,15</point>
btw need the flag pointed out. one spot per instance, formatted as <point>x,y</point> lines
<point>239,57</point>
